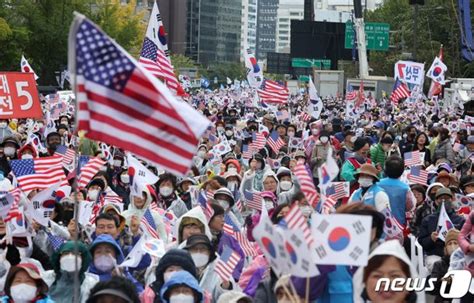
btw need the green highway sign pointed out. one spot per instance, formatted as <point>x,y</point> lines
<point>376,36</point>
<point>309,63</point>
<point>303,78</point>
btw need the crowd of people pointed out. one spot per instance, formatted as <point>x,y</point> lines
<point>370,145</point>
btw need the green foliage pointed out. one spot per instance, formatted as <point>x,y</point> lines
<point>180,61</point>
<point>436,25</point>
<point>224,70</point>
<point>39,29</point>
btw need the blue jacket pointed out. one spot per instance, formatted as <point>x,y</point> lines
<point>429,225</point>
<point>397,193</point>
<point>105,276</point>
<point>369,196</point>
<point>6,299</point>
<point>181,278</point>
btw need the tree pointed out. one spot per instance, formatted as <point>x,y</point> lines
<point>180,61</point>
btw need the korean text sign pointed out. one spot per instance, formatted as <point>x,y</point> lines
<point>19,96</point>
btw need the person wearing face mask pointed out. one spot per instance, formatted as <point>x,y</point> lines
<point>24,284</point>
<point>5,131</point>
<point>182,288</point>
<point>106,255</point>
<point>64,264</point>
<point>369,192</point>
<point>428,237</point>
<point>444,148</point>
<point>167,198</point>
<point>184,186</point>
<point>440,268</point>
<point>94,188</point>
<point>225,198</point>
<point>253,178</point>
<point>220,128</point>
<point>173,261</point>
<point>353,163</point>
<point>117,290</point>
<point>233,179</point>
<point>379,152</point>
<point>121,186</point>
<point>27,152</point>
<point>53,140</point>
<point>320,151</point>
<point>191,223</point>
<point>229,132</point>
<point>204,257</point>
<point>288,185</point>
<point>10,147</point>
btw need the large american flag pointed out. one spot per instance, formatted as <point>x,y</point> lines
<point>400,91</point>
<point>155,55</point>
<point>272,92</point>
<point>275,141</point>
<point>296,221</point>
<point>122,104</point>
<point>418,175</point>
<point>226,263</point>
<point>88,169</point>
<point>149,224</point>
<point>412,158</point>
<point>67,154</point>
<point>254,199</point>
<point>38,173</point>
<point>306,184</point>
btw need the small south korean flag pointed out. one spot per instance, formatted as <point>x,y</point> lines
<point>26,68</point>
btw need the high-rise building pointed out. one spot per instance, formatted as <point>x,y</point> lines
<point>287,10</point>
<point>248,35</point>
<point>340,10</point>
<point>213,30</point>
<point>266,27</point>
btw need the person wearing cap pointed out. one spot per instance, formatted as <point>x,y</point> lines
<point>409,135</point>
<point>369,192</point>
<point>440,268</point>
<point>182,287</point>
<point>353,163</point>
<point>268,121</point>
<point>64,264</point>
<point>288,185</point>
<point>225,198</point>
<point>234,296</point>
<point>117,290</point>
<point>94,188</point>
<point>233,180</point>
<point>167,197</point>
<point>467,185</point>
<point>25,284</point>
<point>191,223</point>
<point>204,257</point>
<point>429,237</point>
<point>379,152</point>
<point>402,201</point>
<point>10,146</point>
<point>106,256</point>
<point>423,207</point>
<point>184,194</point>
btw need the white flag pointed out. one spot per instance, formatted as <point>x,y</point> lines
<point>135,255</point>
<point>444,224</point>
<point>341,239</point>
<point>437,71</point>
<point>315,105</point>
<point>26,68</point>
<point>140,176</point>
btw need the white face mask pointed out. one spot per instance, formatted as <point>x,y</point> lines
<point>23,293</point>
<point>200,259</point>
<point>365,182</point>
<point>26,156</point>
<point>201,154</point>
<point>224,204</point>
<point>229,133</point>
<point>9,151</point>
<point>93,193</point>
<point>306,210</point>
<point>291,134</point>
<point>104,263</point>
<point>68,263</point>
<point>182,298</point>
<point>166,191</point>
<point>125,179</point>
<point>286,185</point>
<point>117,163</point>
<point>269,205</point>
<point>314,131</point>
<point>232,185</point>
<point>324,140</point>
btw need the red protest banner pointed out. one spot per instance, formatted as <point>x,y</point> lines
<point>19,96</point>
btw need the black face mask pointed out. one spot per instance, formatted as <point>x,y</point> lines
<point>53,146</point>
<point>67,216</point>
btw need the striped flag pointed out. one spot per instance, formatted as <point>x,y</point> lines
<point>305,117</point>
<point>232,229</point>
<point>55,241</point>
<point>254,199</point>
<point>360,96</point>
<point>275,141</point>
<point>246,152</point>
<point>412,158</point>
<point>38,173</point>
<point>155,55</point>
<point>328,204</point>
<point>418,175</point>
<point>306,184</point>
<point>203,200</point>
<point>149,224</point>
<point>272,92</point>
<point>122,104</point>
<point>338,190</point>
<point>226,263</point>
<point>88,169</point>
<point>229,226</point>
<point>296,221</point>
<point>400,91</point>
<point>351,94</point>
<point>98,204</point>
<point>67,154</point>
<point>14,211</point>
<point>258,142</point>
<point>113,198</point>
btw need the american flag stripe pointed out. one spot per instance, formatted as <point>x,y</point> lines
<point>418,175</point>
<point>122,104</point>
<point>258,142</point>
<point>247,246</point>
<point>43,172</point>
<point>305,117</point>
<point>412,158</point>
<point>66,153</point>
<point>275,142</point>
<point>272,92</point>
<point>306,184</point>
<point>295,220</point>
<point>401,91</point>
<point>90,170</point>
<point>225,267</point>
<point>149,223</point>
<point>254,199</point>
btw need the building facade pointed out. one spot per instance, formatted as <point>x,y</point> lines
<point>287,10</point>
<point>266,28</point>
<point>248,35</point>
